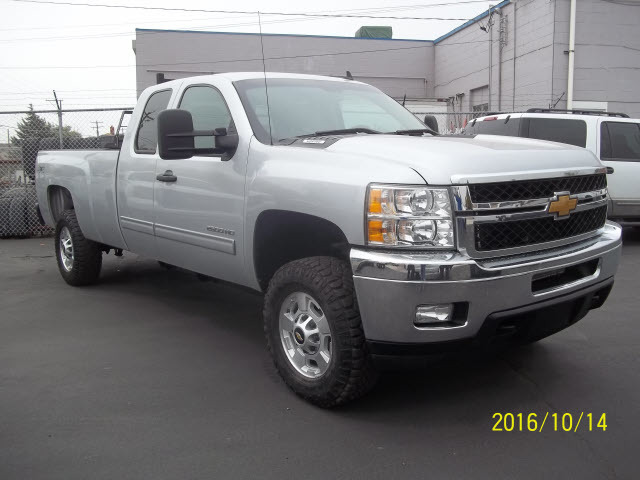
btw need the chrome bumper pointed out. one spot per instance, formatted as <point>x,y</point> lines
<point>390,286</point>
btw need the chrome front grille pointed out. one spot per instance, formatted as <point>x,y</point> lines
<point>512,217</point>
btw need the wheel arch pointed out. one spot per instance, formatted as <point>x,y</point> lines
<point>59,199</point>
<point>281,236</point>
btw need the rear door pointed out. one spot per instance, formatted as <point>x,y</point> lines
<point>137,175</point>
<point>620,149</point>
<point>199,216</point>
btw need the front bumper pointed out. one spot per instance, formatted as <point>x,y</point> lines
<point>391,285</point>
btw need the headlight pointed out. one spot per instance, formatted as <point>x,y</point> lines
<point>409,216</point>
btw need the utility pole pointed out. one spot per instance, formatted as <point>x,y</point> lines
<point>97,123</point>
<point>59,108</point>
<point>488,29</point>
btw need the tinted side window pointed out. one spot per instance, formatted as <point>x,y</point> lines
<point>209,111</point>
<point>620,141</point>
<point>573,132</point>
<point>495,127</point>
<point>147,136</point>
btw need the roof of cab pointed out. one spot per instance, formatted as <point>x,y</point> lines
<point>235,76</point>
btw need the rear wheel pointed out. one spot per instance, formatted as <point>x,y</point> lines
<point>314,332</point>
<point>79,259</point>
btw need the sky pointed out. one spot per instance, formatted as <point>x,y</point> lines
<point>85,52</point>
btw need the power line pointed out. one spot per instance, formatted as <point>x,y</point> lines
<point>371,10</point>
<point>243,12</point>
<point>71,91</point>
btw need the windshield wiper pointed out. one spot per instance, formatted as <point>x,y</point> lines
<point>341,131</point>
<point>416,131</point>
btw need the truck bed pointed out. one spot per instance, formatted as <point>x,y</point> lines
<point>91,175</point>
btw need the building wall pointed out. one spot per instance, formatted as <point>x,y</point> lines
<point>397,67</point>
<point>607,54</point>
<point>455,66</point>
<point>462,59</point>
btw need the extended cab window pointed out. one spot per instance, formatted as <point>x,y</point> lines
<point>573,132</point>
<point>209,111</point>
<point>147,136</point>
<point>620,141</point>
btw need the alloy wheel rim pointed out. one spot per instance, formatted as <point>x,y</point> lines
<point>66,249</point>
<point>305,335</point>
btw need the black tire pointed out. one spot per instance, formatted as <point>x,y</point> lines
<point>87,255</point>
<point>350,373</point>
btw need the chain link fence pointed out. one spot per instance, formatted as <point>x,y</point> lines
<point>23,135</point>
<point>450,123</point>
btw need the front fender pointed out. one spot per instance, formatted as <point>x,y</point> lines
<point>316,182</point>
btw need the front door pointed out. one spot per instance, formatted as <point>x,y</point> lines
<point>137,177</point>
<point>199,215</point>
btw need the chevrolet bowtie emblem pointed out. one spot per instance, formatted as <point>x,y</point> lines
<point>562,205</point>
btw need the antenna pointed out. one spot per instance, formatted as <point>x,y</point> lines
<point>264,71</point>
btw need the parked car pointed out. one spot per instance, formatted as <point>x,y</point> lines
<point>612,137</point>
<point>369,235</point>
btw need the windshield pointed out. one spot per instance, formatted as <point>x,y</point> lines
<point>303,107</point>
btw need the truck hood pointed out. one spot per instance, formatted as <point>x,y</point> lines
<point>480,159</point>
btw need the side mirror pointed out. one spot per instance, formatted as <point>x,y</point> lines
<point>176,137</point>
<point>431,122</point>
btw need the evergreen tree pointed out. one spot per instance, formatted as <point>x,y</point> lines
<point>34,126</point>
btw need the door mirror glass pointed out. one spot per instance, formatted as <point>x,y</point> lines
<point>177,138</point>
<point>431,122</point>
<point>175,135</point>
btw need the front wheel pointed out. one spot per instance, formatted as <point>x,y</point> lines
<point>314,332</point>
<point>79,259</point>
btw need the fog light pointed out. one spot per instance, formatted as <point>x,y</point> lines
<point>426,314</point>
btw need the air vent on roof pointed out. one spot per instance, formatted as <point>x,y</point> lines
<point>374,32</point>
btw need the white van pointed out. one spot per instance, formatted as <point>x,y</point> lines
<point>613,137</point>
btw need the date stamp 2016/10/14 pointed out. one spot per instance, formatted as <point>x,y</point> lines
<point>557,422</point>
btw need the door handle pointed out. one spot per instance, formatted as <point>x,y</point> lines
<point>167,176</point>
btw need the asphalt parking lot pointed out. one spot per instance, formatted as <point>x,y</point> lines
<point>154,374</point>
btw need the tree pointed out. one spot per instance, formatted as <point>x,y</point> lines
<point>34,126</point>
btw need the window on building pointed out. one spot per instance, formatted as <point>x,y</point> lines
<point>147,136</point>
<point>480,109</point>
<point>209,111</point>
<point>620,141</point>
<point>573,132</point>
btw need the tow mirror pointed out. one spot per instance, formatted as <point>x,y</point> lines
<point>431,122</point>
<point>176,137</point>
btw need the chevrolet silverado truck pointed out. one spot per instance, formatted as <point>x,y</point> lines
<point>369,234</point>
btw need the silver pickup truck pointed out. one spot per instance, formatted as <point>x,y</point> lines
<point>370,235</point>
